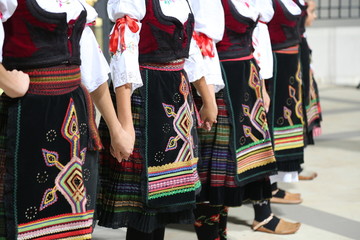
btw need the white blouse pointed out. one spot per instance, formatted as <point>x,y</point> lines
<point>261,38</point>
<point>246,9</point>
<point>209,20</point>
<point>94,67</point>
<point>125,65</point>
<point>292,7</point>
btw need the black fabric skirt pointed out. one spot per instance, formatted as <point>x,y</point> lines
<point>286,111</point>
<point>311,99</point>
<point>236,156</point>
<point>48,172</point>
<point>159,182</point>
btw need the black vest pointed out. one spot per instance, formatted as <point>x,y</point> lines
<point>283,27</point>
<point>35,38</point>
<point>163,38</point>
<point>237,39</point>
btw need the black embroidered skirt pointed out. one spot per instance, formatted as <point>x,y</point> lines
<point>158,184</point>
<point>286,110</point>
<point>236,156</point>
<point>311,99</point>
<point>48,172</point>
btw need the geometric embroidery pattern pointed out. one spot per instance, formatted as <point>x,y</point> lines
<point>49,198</point>
<point>297,99</point>
<point>259,152</point>
<point>291,136</point>
<point>257,114</point>
<point>313,109</point>
<point>179,176</point>
<point>182,124</point>
<point>69,182</point>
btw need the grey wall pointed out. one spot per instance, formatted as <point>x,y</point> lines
<point>336,51</point>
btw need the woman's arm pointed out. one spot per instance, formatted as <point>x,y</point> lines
<point>122,143</point>
<point>123,103</point>
<point>94,75</point>
<point>208,111</point>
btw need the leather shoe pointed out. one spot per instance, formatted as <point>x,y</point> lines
<point>289,198</point>
<point>283,226</point>
<point>307,175</point>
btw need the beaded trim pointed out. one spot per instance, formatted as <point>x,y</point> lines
<point>175,65</point>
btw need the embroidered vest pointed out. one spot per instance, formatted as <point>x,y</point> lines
<point>283,28</point>
<point>163,38</point>
<point>301,22</point>
<point>41,38</point>
<point>237,40</point>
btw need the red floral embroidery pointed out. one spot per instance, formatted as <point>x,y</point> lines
<point>215,218</point>
<point>198,224</point>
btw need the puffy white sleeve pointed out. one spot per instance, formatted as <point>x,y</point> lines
<point>209,20</point>
<point>292,6</point>
<point>7,8</point>
<point>265,8</point>
<point>194,64</point>
<point>197,66</point>
<point>94,67</point>
<point>213,71</point>
<point>124,63</point>
<point>261,39</point>
<point>263,51</point>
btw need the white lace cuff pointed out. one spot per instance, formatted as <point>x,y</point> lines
<point>124,71</point>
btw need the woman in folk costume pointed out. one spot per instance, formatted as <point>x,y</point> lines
<point>311,104</point>
<point>159,182</point>
<point>236,155</point>
<point>285,90</point>
<point>312,113</point>
<point>48,158</point>
<point>313,108</point>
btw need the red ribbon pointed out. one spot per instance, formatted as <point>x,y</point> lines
<point>119,29</point>
<point>91,24</point>
<point>205,44</point>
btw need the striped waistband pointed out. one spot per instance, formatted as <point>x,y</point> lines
<point>175,65</point>
<point>54,80</point>
<point>238,59</point>
<point>289,50</point>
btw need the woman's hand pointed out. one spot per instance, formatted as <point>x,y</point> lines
<point>265,96</point>
<point>208,115</point>
<point>122,143</point>
<point>14,83</point>
<point>208,111</point>
<point>122,136</point>
<point>123,103</point>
